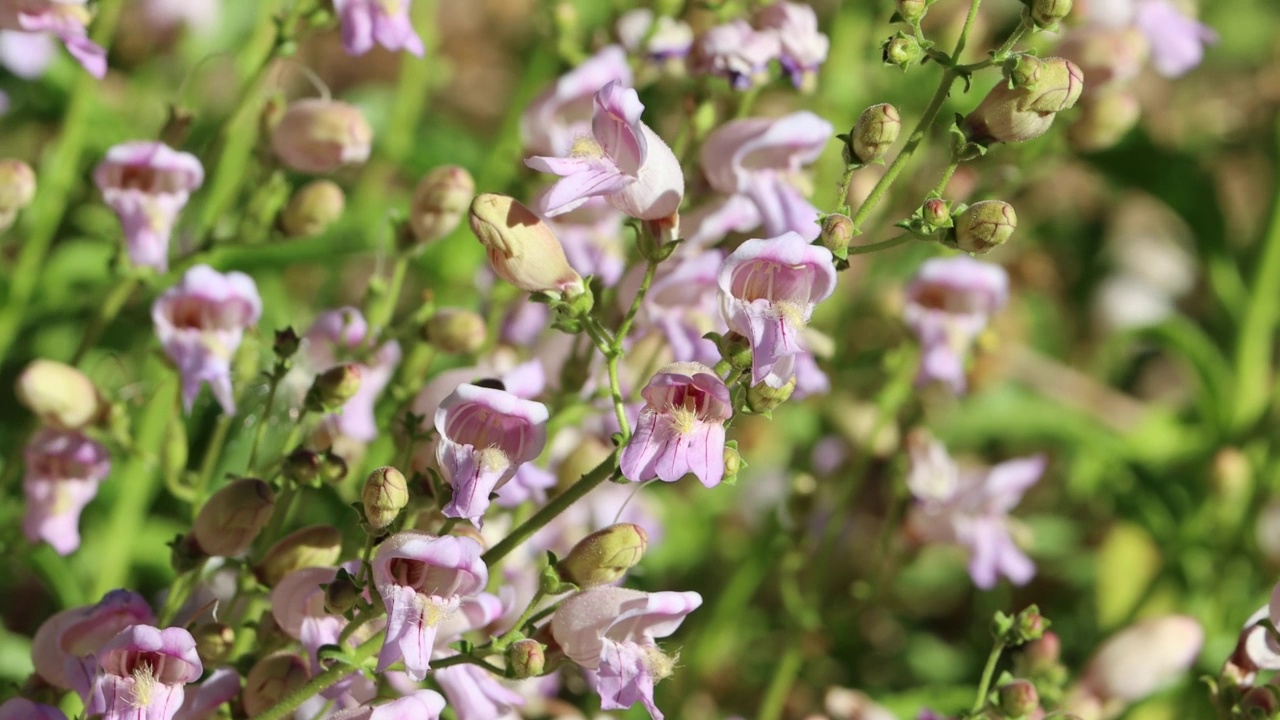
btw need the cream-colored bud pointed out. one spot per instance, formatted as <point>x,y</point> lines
<point>761,398</point>
<point>334,387</point>
<point>232,518</point>
<point>440,201</point>
<point>604,556</point>
<point>876,130</point>
<point>522,249</point>
<point>319,136</point>
<point>527,658</point>
<point>273,678</point>
<point>837,233</point>
<point>312,209</point>
<point>1057,88</point>
<point>455,330</point>
<point>385,494</point>
<point>59,395</point>
<point>1046,14</point>
<point>984,225</point>
<point>17,185</point>
<point>314,546</point>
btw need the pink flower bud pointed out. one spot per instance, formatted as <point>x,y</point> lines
<point>318,136</point>
<point>1018,698</point>
<point>837,233</point>
<point>60,395</point>
<point>522,249</point>
<point>334,387</point>
<point>527,658</point>
<point>440,201</point>
<point>1015,114</point>
<point>231,519</point>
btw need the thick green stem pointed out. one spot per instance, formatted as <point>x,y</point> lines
<point>212,454</point>
<point>265,418</point>
<point>106,313</point>
<point>892,242</point>
<point>1256,339</point>
<point>323,681</point>
<point>384,306</point>
<point>784,674</point>
<point>988,673</point>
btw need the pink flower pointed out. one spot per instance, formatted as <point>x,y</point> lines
<point>222,686</point>
<point>971,507</point>
<point>737,52</point>
<point>297,604</point>
<point>63,648</point>
<point>63,19</point>
<point>681,427</point>
<point>683,304</point>
<point>612,631</point>
<point>768,289</point>
<point>756,162</point>
<point>804,49</point>
<point>23,709</point>
<point>200,322</point>
<point>422,580</point>
<point>485,435</point>
<point>1177,41</point>
<point>147,184</point>
<point>385,22</point>
<point>340,335</point>
<point>671,38</point>
<point>63,471</point>
<point>948,305</point>
<point>142,673</point>
<point>622,160</point>
<point>26,55</point>
<point>421,705</point>
<point>592,240</point>
<point>475,694</point>
<point>562,112</point>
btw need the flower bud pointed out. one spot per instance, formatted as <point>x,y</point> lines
<point>874,133</point>
<point>526,658</point>
<point>286,343</point>
<point>312,209</point>
<point>385,494</point>
<point>455,330</point>
<point>1023,70</point>
<point>301,468</point>
<point>935,213</point>
<point>984,225</point>
<point>1025,111</point>
<point>318,136</point>
<point>333,388</point>
<point>1105,119</point>
<point>214,642</point>
<point>1044,652</point>
<point>604,556</point>
<point>273,678</point>
<point>333,467</point>
<point>439,202</point>
<point>1018,698</point>
<point>17,186</point>
<point>581,460</point>
<point>1143,658</point>
<point>912,11</point>
<point>1046,14</point>
<point>1058,87</point>
<point>837,233</point>
<point>342,594</point>
<point>315,546</point>
<point>763,399</point>
<point>902,50</point>
<point>59,395</point>
<point>732,463</point>
<point>228,523</point>
<point>522,249</point>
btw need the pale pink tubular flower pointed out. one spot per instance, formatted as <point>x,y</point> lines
<point>623,160</point>
<point>147,184</point>
<point>337,335</point>
<point>422,580</point>
<point>1177,41</point>
<point>23,709</point>
<point>485,435</point>
<point>683,304</point>
<point>63,19</point>
<point>203,701</point>
<point>948,305</point>
<point>297,604</point>
<point>768,289</point>
<point>421,705</point>
<point>562,113</point>
<point>473,692</point>
<point>737,52</point>
<point>971,507</point>
<point>612,632</point>
<point>681,427</point>
<point>64,469</point>
<point>63,648</point>
<point>757,163</point>
<point>670,39</point>
<point>804,49</point>
<point>384,22</point>
<point>200,322</point>
<point>143,672</point>
<point>1136,662</point>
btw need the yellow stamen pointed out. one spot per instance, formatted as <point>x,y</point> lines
<point>144,686</point>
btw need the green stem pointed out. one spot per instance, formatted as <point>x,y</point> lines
<point>464,659</point>
<point>501,643</point>
<point>265,418</point>
<point>892,242</point>
<point>212,454</point>
<point>384,307</point>
<point>107,312</point>
<point>784,674</point>
<point>323,681</point>
<point>179,591</point>
<point>941,187</point>
<point>988,673</point>
<point>558,504</point>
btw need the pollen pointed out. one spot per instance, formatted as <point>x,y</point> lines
<point>586,147</point>
<point>144,686</point>
<point>492,459</point>
<point>791,312</point>
<point>683,420</point>
<point>661,665</point>
<point>434,613</point>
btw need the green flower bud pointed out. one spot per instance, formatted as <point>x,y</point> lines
<point>874,133</point>
<point>385,494</point>
<point>1023,71</point>
<point>232,518</point>
<point>1027,110</point>
<point>984,225</point>
<point>1106,118</point>
<point>1046,14</point>
<point>455,330</point>
<point>214,642</point>
<point>733,463</point>
<point>273,678</point>
<point>59,395</point>
<point>912,10</point>
<point>333,388</point>
<point>1018,698</point>
<point>301,468</point>
<point>522,249</point>
<point>837,232</point>
<point>762,399</point>
<point>315,546</point>
<point>604,556</point>
<point>935,213</point>
<point>342,594</point>
<point>1058,87</point>
<point>312,209</point>
<point>333,467</point>
<point>286,343</point>
<point>527,658</point>
<point>440,201</point>
<point>902,50</point>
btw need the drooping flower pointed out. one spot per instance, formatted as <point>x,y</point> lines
<point>485,435</point>
<point>803,48</point>
<point>562,113</point>
<point>147,184</point>
<point>200,322</point>
<point>948,305</point>
<point>64,469</point>
<point>63,19</point>
<point>143,672</point>
<point>422,580</point>
<point>612,631</point>
<point>337,336</point>
<point>623,160</point>
<point>736,52</point>
<point>768,289</point>
<point>23,709</point>
<point>756,163</point>
<point>384,22</point>
<point>64,645</point>
<point>971,507</point>
<point>681,427</point>
<point>203,701</point>
<point>592,240</point>
<point>682,304</point>
<point>421,705</point>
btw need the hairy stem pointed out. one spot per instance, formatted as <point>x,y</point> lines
<point>988,673</point>
<point>323,681</point>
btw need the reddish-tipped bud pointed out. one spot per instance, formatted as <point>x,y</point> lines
<point>522,249</point>
<point>604,556</point>
<point>527,658</point>
<point>935,213</point>
<point>876,130</point>
<point>837,233</point>
<point>1018,698</point>
<point>315,546</point>
<point>440,201</point>
<point>333,388</point>
<point>312,209</point>
<point>1044,652</point>
<point>232,518</point>
<point>984,225</point>
<point>319,136</point>
<point>384,495</point>
<point>272,679</point>
<point>59,395</point>
<point>455,330</point>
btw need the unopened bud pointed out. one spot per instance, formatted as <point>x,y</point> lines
<point>1043,653</point>
<point>286,343</point>
<point>581,460</point>
<point>455,330</point>
<point>17,186</point>
<point>762,398</point>
<point>912,10</point>
<point>1023,71</point>
<point>214,642</point>
<point>732,464</point>
<point>272,679</point>
<point>935,213</point>
<point>318,136</point>
<point>1028,625</point>
<point>1027,110</point>
<point>342,594</point>
<point>984,225</point>
<point>874,133</point>
<point>440,201</point>
<point>604,556</point>
<point>228,523</point>
<point>1056,89</point>
<point>315,546</point>
<point>302,468</point>
<point>312,209</point>
<point>522,249</point>
<point>902,50</point>
<point>527,658</point>
<point>1046,14</point>
<point>333,388</point>
<point>1018,698</point>
<point>333,467</point>
<point>1105,119</point>
<point>837,233</point>
<point>1162,648</point>
<point>385,494</point>
<point>59,395</point>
